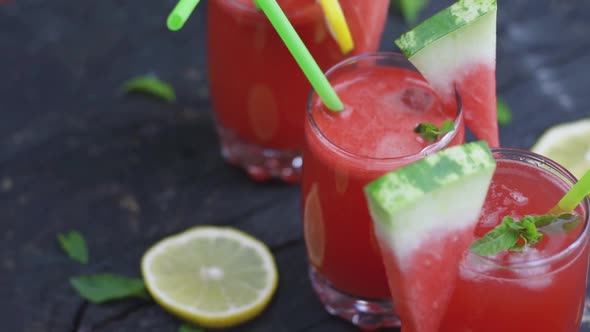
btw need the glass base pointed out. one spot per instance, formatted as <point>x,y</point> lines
<point>367,314</point>
<point>261,163</point>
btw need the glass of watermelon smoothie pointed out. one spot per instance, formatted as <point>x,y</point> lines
<point>258,91</point>
<point>543,287</point>
<point>385,99</point>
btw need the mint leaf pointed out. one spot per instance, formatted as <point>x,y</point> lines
<point>542,221</point>
<point>189,328</point>
<point>101,288</point>
<point>504,113</point>
<point>427,130</point>
<point>431,132</point>
<point>447,127</point>
<point>410,9</point>
<point>510,222</point>
<point>515,235</point>
<point>499,239</point>
<point>74,245</point>
<point>564,222</point>
<point>561,219</point>
<point>530,234</point>
<point>571,224</point>
<point>150,85</point>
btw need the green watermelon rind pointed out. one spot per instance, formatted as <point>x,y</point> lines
<point>436,183</point>
<point>445,22</point>
<point>399,188</point>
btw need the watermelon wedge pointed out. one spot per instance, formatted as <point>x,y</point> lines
<point>424,215</point>
<point>456,49</point>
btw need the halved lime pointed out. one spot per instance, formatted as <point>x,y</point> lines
<point>211,276</point>
<point>568,144</point>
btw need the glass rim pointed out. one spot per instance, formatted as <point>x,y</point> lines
<point>431,148</point>
<point>565,176</point>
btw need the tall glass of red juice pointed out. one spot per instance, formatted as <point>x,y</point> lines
<point>542,288</point>
<point>258,91</point>
<point>385,99</point>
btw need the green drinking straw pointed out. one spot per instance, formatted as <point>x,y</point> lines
<point>301,54</point>
<point>573,197</point>
<point>181,12</point>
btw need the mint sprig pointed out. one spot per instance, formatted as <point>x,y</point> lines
<point>150,85</point>
<point>504,112</point>
<point>513,235</point>
<point>431,132</point>
<point>74,245</point>
<point>189,328</point>
<point>101,288</point>
<point>410,9</point>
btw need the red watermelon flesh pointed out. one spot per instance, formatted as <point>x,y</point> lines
<point>421,285</point>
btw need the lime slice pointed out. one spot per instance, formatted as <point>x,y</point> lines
<point>212,276</point>
<point>568,144</point>
<point>337,24</point>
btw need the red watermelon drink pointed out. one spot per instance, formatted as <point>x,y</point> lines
<point>385,100</point>
<point>258,91</point>
<point>540,288</point>
<point>456,49</point>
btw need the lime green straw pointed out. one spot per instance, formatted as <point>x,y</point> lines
<point>573,197</point>
<point>181,12</point>
<point>301,54</point>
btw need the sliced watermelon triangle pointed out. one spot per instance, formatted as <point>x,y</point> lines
<point>424,216</point>
<point>456,48</point>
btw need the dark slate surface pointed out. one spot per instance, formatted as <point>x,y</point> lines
<point>127,171</point>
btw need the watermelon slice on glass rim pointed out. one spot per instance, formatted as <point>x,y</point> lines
<point>456,49</point>
<point>424,216</point>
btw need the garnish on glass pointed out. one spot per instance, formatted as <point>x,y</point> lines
<point>515,235</point>
<point>431,132</point>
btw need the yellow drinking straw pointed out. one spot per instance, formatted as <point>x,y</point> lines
<point>337,24</point>
<point>278,19</point>
<point>334,19</point>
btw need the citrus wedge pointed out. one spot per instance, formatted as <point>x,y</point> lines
<point>212,276</point>
<point>568,144</point>
<point>337,24</point>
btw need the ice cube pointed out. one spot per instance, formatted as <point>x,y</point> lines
<point>490,219</point>
<point>417,99</point>
<point>395,144</point>
<point>473,268</point>
<point>535,278</point>
<point>586,316</point>
<point>519,198</point>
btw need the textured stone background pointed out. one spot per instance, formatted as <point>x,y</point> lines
<point>127,171</point>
